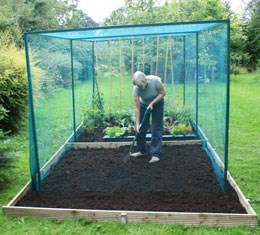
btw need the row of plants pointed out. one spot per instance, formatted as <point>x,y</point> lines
<point>122,123</point>
<point>125,126</point>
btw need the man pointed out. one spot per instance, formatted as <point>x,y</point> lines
<point>148,93</point>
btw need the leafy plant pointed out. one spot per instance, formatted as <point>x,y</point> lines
<point>181,129</point>
<point>94,114</point>
<point>179,115</point>
<point>122,118</point>
<point>120,123</point>
<point>183,114</point>
<point>115,131</point>
<point>3,112</point>
<point>179,122</point>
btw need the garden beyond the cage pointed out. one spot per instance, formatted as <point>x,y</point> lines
<point>183,181</point>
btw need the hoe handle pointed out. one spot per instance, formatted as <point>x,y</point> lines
<point>146,115</point>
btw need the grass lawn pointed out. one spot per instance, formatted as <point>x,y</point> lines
<point>244,165</point>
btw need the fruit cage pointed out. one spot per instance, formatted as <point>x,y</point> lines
<point>66,67</point>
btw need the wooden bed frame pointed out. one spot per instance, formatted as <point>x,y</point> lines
<point>208,219</point>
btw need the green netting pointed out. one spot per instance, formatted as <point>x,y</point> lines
<point>192,60</point>
<point>207,84</point>
<point>133,30</point>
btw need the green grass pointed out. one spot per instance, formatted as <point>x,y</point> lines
<point>117,93</point>
<point>244,165</point>
<point>244,149</point>
<point>54,118</point>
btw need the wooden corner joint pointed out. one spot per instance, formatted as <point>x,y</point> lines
<point>123,218</point>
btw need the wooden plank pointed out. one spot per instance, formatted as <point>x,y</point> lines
<point>79,145</point>
<point>209,219</point>
<point>58,153</point>
<point>47,166</point>
<point>44,169</point>
<point>86,145</point>
<point>245,202</point>
<point>19,195</point>
<point>181,142</point>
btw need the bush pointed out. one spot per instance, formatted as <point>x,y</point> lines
<point>181,129</point>
<point>4,148</point>
<point>13,86</point>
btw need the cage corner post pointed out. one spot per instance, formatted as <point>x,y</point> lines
<point>184,70</point>
<point>227,106</point>
<point>93,70</point>
<point>73,90</point>
<point>33,146</point>
<point>197,82</point>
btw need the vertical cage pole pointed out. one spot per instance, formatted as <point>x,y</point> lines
<point>227,105</point>
<point>197,80</point>
<point>133,56</point>
<point>110,70</point>
<point>97,65</point>
<point>166,61</point>
<point>121,72</point>
<point>171,56</point>
<point>93,68</point>
<point>143,55</point>
<point>157,55</point>
<point>132,101</point>
<point>96,78</point>
<point>73,89</point>
<point>35,173</point>
<point>184,69</point>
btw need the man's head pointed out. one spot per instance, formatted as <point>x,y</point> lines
<point>139,79</point>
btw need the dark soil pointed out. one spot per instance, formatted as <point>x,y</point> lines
<point>183,181</point>
<point>96,136</point>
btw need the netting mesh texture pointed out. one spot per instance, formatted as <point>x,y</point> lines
<point>64,68</point>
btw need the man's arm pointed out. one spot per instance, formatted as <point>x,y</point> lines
<point>158,97</point>
<point>137,112</point>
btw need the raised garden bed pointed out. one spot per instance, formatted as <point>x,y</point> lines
<point>98,136</point>
<point>91,181</point>
<point>182,181</point>
<point>120,126</point>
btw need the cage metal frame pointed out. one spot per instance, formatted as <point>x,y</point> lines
<point>71,32</point>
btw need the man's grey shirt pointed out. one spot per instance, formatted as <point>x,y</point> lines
<point>150,92</point>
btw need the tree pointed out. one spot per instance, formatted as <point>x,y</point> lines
<point>253,34</point>
<point>148,11</point>
<point>134,12</point>
<point>145,11</point>
<point>14,18</point>
<point>18,17</point>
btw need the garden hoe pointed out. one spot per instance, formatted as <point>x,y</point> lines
<point>146,115</point>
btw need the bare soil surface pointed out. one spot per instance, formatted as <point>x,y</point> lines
<point>182,181</point>
<point>96,136</point>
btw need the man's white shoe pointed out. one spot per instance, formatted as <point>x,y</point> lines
<point>138,154</point>
<point>154,159</point>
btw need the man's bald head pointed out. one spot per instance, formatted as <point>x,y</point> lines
<point>139,79</point>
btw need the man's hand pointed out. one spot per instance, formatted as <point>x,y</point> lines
<point>150,106</point>
<point>137,128</point>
